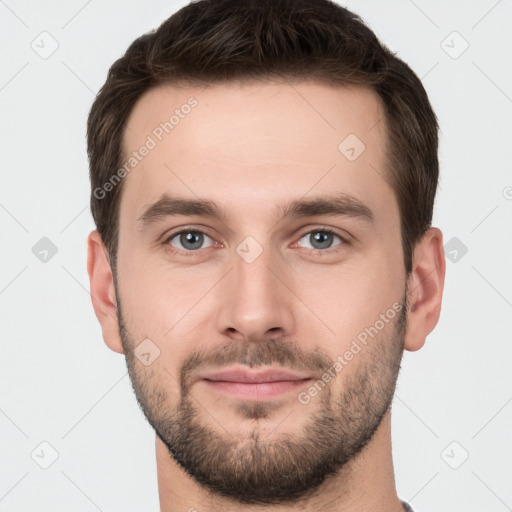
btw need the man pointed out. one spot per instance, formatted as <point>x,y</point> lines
<point>263,177</point>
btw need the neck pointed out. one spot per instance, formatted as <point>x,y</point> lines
<point>366,484</point>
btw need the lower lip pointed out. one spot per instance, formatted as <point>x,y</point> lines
<point>261,390</point>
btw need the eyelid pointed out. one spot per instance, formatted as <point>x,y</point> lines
<point>177,231</point>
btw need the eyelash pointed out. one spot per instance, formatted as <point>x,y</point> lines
<point>319,252</point>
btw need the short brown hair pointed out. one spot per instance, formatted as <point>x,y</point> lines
<point>214,41</point>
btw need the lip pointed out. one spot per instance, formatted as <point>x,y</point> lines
<point>253,376</point>
<point>256,384</point>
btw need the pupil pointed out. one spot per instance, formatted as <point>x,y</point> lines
<point>322,238</point>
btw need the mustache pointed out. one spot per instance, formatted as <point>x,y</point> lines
<point>274,352</point>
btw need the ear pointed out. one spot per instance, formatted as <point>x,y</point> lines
<point>425,288</point>
<point>102,291</point>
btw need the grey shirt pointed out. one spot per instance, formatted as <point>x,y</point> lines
<point>407,507</point>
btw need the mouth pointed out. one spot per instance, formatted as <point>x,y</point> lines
<point>255,384</point>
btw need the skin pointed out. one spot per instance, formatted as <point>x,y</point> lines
<point>251,147</point>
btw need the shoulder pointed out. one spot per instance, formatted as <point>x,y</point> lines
<point>407,507</point>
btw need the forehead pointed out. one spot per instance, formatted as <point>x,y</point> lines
<point>248,145</point>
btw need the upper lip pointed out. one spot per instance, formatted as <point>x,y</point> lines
<point>257,376</point>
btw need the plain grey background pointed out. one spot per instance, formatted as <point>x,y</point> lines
<point>61,385</point>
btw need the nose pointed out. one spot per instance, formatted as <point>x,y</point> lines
<point>256,301</point>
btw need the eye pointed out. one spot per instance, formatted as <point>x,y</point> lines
<point>192,241</point>
<point>320,239</point>
<point>189,240</point>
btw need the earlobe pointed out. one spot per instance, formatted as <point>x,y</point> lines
<point>102,291</point>
<point>425,288</point>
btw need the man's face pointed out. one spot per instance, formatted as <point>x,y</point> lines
<point>318,294</point>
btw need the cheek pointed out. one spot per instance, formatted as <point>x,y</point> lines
<point>171,307</point>
<point>352,296</point>
<point>149,295</point>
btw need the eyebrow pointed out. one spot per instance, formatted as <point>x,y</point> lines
<point>339,204</point>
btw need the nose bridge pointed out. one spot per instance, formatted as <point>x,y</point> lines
<point>257,300</point>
